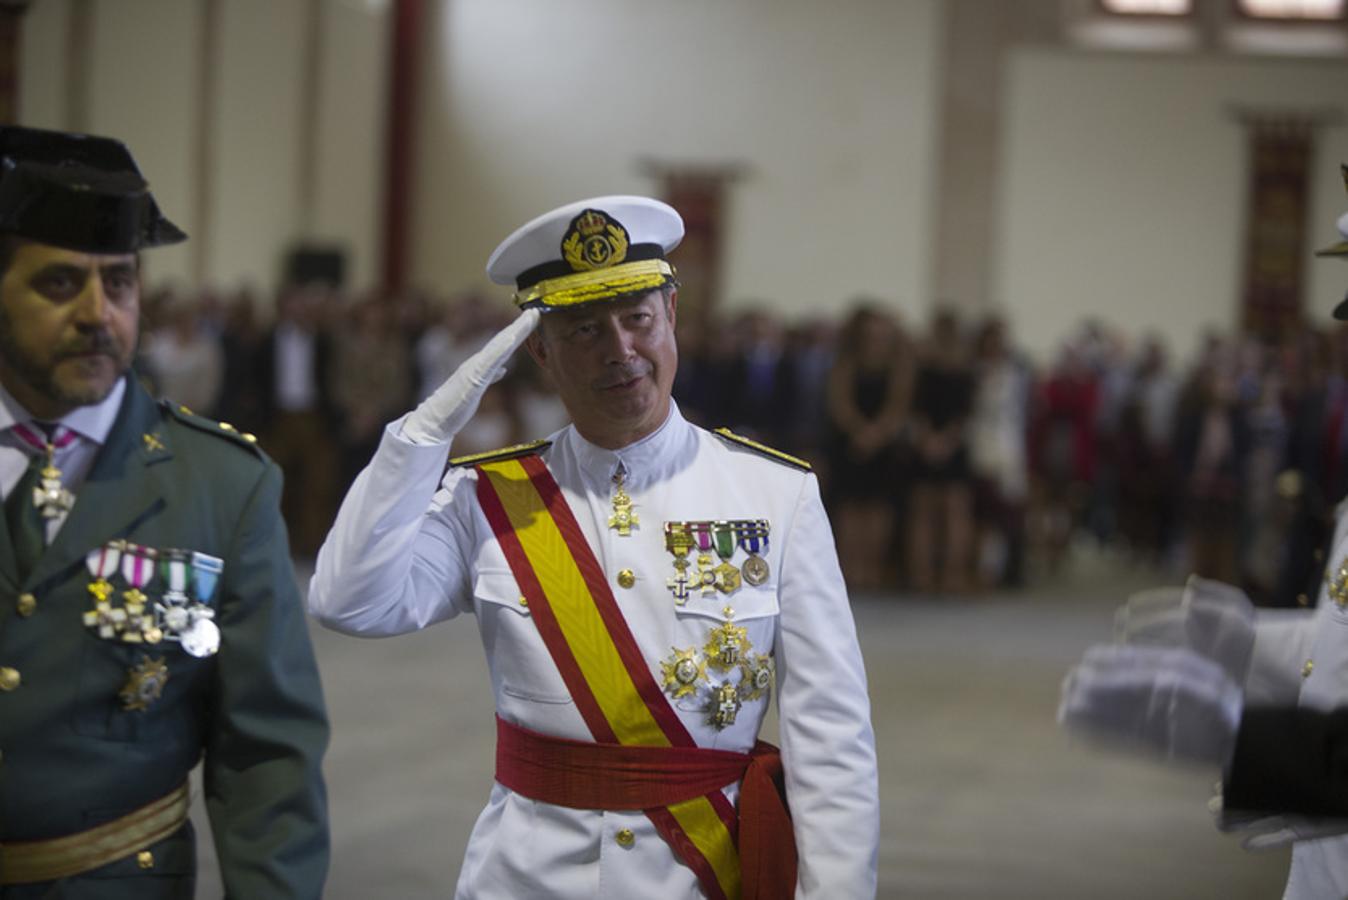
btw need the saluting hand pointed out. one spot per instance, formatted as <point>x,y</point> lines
<point>441,415</point>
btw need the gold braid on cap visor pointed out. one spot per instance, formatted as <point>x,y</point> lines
<point>600,284</point>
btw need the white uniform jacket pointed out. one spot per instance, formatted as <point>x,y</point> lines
<point>403,555</point>
<point>1301,657</point>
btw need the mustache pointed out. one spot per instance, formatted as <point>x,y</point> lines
<point>624,374</point>
<point>95,342</point>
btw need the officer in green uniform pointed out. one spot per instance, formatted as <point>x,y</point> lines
<point>149,617</point>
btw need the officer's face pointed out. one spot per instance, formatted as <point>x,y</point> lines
<point>68,324</point>
<point>613,364</point>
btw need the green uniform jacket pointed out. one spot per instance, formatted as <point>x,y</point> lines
<point>71,757</point>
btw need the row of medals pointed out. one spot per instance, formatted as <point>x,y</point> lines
<point>180,613</point>
<point>728,649</point>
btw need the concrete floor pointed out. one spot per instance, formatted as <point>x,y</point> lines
<point>982,795</point>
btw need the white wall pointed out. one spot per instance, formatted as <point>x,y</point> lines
<point>351,141</point>
<point>1124,190</point>
<point>1121,183</point>
<point>143,85</point>
<point>529,104</point>
<point>42,64</point>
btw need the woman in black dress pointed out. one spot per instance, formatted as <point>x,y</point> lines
<point>867,403</point>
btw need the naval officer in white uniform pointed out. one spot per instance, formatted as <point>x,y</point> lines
<point>712,566</point>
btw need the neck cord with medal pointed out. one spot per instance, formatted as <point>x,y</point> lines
<point>623,519</point>
<point>51,498</point>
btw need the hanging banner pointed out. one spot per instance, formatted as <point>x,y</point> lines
<point>1275,231</point>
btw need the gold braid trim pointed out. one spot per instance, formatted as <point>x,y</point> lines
<point>504,453</point>
<point>34,861</point>
<point>600,284</point>
<point>793,461</point>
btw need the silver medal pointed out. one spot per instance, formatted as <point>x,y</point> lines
<point>201,639</point>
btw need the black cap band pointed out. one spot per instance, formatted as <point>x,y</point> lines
<point>557,268</point>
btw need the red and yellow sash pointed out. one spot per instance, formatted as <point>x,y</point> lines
<point>614,690</point>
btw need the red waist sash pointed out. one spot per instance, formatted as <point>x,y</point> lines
<point>584,775</point>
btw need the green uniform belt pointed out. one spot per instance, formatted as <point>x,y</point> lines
<point>27,862</point>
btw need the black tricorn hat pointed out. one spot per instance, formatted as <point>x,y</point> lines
<point>77,191</point>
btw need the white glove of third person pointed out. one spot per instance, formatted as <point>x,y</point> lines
<point>1211,618</point>
<point>441,415</point>
<point>1168,700</point>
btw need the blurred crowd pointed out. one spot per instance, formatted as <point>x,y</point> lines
<point>949,462</point>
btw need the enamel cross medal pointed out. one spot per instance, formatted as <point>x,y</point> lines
<point>50,497</point>
<point>623,519</point>
<point>680,543</point>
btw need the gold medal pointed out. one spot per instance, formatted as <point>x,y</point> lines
<point>727,578</point>
<point>106,619</point>
<point>680,543</point>
<point>623,519</point>
<point>755,570</point>
<point>682,672</point>
<point>51,499</point>
<point>726,645</point>
<point>727,575</point>
<point>725,705</point>
<point>753,537</point>
<point>756,676</point>
<point>144,684</point>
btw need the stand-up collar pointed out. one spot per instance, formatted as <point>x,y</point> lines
<point>658,455</point>
<point>92,422</point>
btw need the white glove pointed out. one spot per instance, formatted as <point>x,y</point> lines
<point>1213,619</point>
<point>1154,616</point>
<point>1261,831</point>
<point>1167,700</point>
<point>441,415</point>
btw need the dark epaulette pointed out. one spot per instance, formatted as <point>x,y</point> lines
<point>210,426</point>
<point>794,462</point>
<point>513,452</point>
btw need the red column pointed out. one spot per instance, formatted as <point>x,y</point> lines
<point>1275,229</point>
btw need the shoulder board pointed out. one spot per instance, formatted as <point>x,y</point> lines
<point>210,426</point>
<point>513,452</point>
<point>794,462</point>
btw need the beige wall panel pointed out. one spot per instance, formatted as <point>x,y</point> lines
<point>1125,184</point>
<point>258,117</point>
<point>42,65</point>
<point>142,89</point>
<point>529,104</point>
<point>351,122</point>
